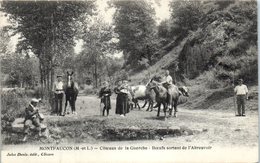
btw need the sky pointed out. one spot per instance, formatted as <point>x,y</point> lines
<point>160,6</point>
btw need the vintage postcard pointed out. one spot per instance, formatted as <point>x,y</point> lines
<point>129,81</point>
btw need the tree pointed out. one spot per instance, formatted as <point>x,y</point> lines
<point>4,41</point>
<point>136,27</point>
<point>47,29</point>
<point>185,17</point>
<point>99,41</point>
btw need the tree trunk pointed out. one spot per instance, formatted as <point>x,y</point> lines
<point>41,78</point>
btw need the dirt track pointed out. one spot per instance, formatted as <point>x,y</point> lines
<point>218,127</point>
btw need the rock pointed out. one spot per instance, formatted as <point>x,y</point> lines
<point>238,129</point>
<point>205,130</point>
<point>18,125</point>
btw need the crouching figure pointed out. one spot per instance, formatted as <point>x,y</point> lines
<point>33,119</point>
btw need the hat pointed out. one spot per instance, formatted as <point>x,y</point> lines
<point>59,75</point>
<point>35,100</point>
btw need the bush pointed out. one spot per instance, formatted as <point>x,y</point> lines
<point>90,90</point>
<point>211,81</point>
<point>13,104</point>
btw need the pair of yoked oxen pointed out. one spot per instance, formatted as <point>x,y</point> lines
<point>155,92</point>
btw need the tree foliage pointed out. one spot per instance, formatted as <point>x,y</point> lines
<point>47,29</point>
<point>99,42</point>
<point>225,40</point>
<point>185,17</point>
<point>136,27</point>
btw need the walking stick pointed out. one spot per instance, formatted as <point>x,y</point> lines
<point>105,104</point>
<point>100,108</point>
<point>235,104</point>
<point>234,98</point>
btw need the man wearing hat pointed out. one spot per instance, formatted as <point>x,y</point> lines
<point>32,117</point>
<point>58,90</point>
<point>241,93</point>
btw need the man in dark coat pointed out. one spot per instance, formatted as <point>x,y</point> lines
<point>105,94</point>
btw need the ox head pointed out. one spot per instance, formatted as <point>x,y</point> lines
<point>184,91</point>
<point>69,78</point>
<point>152,84</point>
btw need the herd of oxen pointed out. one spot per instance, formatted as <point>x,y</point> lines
<point>154,92</point>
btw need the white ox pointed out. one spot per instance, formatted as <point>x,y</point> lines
<point>140,92</point>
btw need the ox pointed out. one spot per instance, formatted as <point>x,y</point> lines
<point>140,92</point>
<point>162,96</point>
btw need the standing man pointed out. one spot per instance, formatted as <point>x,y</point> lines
<point>105,94</point>
<point>58,89</point>
<point>241,93</point>
<point>167,83</point>
<point>32,117</point>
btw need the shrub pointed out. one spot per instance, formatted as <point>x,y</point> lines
<point>14,102</point>
<point>90,90</point>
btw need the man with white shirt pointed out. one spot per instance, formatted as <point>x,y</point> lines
<point>241,93</point>
<point>167,83</point>
<point>58,90</point>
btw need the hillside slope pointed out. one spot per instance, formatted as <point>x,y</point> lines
<point>212,58</point>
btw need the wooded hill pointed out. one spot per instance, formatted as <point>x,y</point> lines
<point>219,46</point>
<point>214,39</point>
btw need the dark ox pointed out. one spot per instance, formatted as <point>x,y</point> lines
<point>162,96</point>
<point>71,93</point>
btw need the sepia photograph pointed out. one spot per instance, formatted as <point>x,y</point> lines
<point>129,81</point>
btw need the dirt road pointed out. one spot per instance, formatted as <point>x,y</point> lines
<point>221,137</point>
<point>218,127</point>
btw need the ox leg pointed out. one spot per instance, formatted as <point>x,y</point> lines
<point>66,103</point>
<point>175,108</point>
<point>151,105</point>
<point>104,109</point>
<point>170,110</point>
<point>135,102</point>
<point>164,110</point>
<point>159,109</point>
<point>145,102</point>
<point>138,105</point>
<point>71,105</point>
